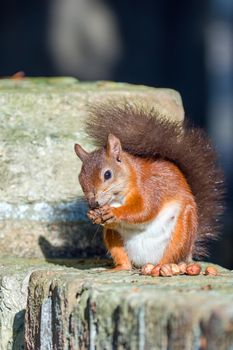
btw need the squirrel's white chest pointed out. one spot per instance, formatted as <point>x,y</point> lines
<point>146,243</point>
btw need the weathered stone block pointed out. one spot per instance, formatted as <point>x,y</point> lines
<point>77,305</point>
<point>93,309</point>
<point>14,278</point>
<point>41,119</point>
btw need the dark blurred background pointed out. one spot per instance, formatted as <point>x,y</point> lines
<point>185,45</point>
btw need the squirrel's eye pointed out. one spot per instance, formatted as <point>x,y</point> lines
<point>107,175</point>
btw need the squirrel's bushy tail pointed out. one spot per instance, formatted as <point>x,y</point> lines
<point>144,133</point>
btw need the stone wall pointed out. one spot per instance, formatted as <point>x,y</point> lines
<point>41,119</point>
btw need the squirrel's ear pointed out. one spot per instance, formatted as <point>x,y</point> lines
<point>114,147</point>
<point>81,153</point>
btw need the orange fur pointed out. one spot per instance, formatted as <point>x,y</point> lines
<point>143,205</point>
<point>180,246</point>
<point>115,246</point>
<point>146,186</point>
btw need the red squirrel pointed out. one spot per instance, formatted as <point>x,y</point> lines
<point>153,184</point>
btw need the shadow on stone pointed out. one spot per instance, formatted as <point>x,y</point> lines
<point>70,256</point>
<point>70,235</point>
<point>18,331</point>
<point>82,263</point>
<point>116,322</point>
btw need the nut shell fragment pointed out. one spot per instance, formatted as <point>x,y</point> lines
<point>182,267</point>
<point>156,271</point>
<point>193,269</point>
<point>146,269</point>
<point>175,269</point>
<point>211,271</point>
<point>166,270</point>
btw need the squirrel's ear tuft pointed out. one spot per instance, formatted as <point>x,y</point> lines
<point>81,153</point>
<point>114,147</point>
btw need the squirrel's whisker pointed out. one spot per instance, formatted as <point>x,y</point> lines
<point>96,231</point>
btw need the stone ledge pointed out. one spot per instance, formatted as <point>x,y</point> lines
<point>93,309</point>
<point>73,304</point>
<point>14,279</point>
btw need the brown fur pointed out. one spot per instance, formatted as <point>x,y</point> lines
<point>145,134</point>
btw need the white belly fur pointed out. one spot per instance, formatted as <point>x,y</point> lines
<point>145,243</point>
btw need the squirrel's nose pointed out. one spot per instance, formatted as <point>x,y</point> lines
<point>93,204</point>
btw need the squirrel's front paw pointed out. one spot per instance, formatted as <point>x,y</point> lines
<point>107,213</point>
<point>102,215</point>
<point>95,216</point>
